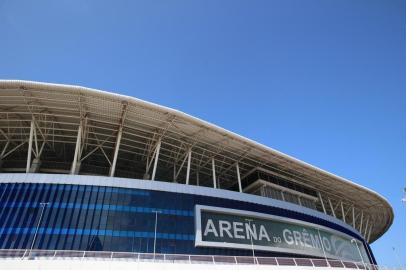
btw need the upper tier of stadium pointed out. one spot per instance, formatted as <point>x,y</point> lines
<point>77,130</point>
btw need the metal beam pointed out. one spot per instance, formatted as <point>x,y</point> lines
<point>362,218</point>
<point>370,230</point>
<point>353,217</point>
<point>322,203</point>
<point>118,141</point>
<point>150,160</point>
<point>76,156</point>
<point>331,207</point>
<point>36,151</point>
<point>237,168</point>
<point>4,149</point>
<point>12,150</point>
<point>188,165</point>
<point>158,147</point>
<point>181,165</point>
<point>213,166</point>
<point>99,146</point>
<point>174,173</point>
<point>113,165</point>
<point>240,158</point>
<point>4,134</point>
<point>27,168</point>
<point>366,228</point>
<point>342,211</point>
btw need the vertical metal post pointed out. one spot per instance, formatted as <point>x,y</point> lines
<point>158,147</point>
<point>369,253</point>
<point>174,172</point>
<point>36,229</point>
<point>331,207</point>
<point>118,141</point>
<point>156,226</point>
<point>359,251</point>
<point>197,178</point>
<point>77,149</point>
<point>27,170</point>
<point>360,225</point>
<point>252,242</point>
<point>213,165</point>
<point>366,228</point>
<point>369,233</point>
<point>353,216</point>
<point>322,203</point>
<point>189,158</point>
<point>322,245</point>
<point>342,211</point>
<point>237,167</point>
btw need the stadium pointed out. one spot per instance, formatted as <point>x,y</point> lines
<point>91,174</point>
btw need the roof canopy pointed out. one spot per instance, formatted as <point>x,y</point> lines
<point>57,112</point>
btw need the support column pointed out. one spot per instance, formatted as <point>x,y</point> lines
<point>197,178</point>
<point>366,228</point>
<point>213,165</point>
<point>342,211</point>
<point>189,158</point>
<point>76,157</point>
<point>35,164</point>
<point>174,173</point>
<point>158,147</point>
<point>353,216</point>
<point>322,203</point>
<point>118,141</point>
<point>3,152</point>
<point>332,208</point>
<point>360,225</point>
<point>27,168</point>
<point>369,233</point>
<point>237,167</point>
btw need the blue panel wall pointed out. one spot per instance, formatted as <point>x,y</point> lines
<point>114,219</point>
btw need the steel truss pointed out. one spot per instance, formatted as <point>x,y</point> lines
<point>68,129</point>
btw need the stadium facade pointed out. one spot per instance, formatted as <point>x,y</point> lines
<point>87,170</point>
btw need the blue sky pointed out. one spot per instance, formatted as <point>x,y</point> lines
<point>323,81</point>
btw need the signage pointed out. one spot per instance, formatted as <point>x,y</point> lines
<point>231,228</point>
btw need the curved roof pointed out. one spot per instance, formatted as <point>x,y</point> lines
<point>58,110</point>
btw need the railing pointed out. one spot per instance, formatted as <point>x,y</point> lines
<point>183,258</point>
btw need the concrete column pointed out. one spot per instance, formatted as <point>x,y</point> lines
<point>35,165</point>
<point>76,168</point>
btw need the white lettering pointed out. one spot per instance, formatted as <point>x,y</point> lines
<point>327,245</point>
<point>263,233</point>
<point>306,238</point>
<point>315,241</point>
<point>251,232</point>
<point>238,230</point>
<point>287,236</point>
<point>298,238</point>
<point>210,228</point>
<point>225,226</point>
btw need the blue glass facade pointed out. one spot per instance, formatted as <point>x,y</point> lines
<point>114,219</point>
